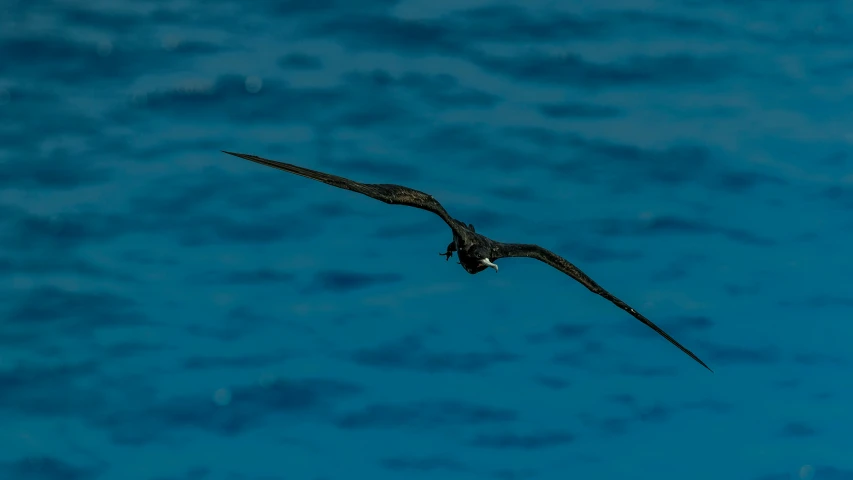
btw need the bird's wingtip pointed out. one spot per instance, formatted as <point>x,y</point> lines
<point>244,156</point>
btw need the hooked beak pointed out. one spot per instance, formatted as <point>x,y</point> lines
<point>488,263</point>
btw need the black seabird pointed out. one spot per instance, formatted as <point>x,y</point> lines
<point>475,251</point>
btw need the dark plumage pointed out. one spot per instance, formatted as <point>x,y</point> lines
<point>475,251</point>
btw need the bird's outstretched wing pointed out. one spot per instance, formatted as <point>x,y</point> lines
<point>388,193</point>
<point>563,265</point>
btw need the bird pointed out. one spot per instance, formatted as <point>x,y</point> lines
<point>475,251</point>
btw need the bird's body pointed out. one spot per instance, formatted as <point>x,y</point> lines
<point>472,249</point>
<point>475,251</point>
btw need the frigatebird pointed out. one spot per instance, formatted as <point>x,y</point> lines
<point>475,251</point>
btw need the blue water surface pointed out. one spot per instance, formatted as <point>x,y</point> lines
<point>171,312</point>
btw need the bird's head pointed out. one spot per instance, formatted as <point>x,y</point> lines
<point>482,255</point>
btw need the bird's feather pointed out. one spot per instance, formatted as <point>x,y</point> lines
<point>388,193</point>
<point>503,250</point>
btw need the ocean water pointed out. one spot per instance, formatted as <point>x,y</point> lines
<point>171,312</point>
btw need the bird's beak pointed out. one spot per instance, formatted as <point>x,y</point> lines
<point>488,263</point>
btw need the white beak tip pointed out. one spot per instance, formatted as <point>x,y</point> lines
<point>489,263</point>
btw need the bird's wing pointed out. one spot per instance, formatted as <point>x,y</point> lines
<point>563,265</point>
<point>388,193</point>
